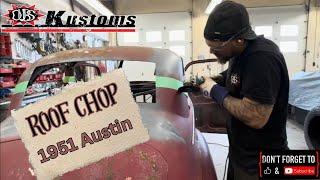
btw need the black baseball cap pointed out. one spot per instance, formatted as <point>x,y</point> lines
<point>229,19</point>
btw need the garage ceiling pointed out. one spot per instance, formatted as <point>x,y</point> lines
<point>151,6</point>
<point>270,3</point>
<point>108,4</point>
<point>158,6</point>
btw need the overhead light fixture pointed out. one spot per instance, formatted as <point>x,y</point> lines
<point>98,6</point>
<point>211,5</point>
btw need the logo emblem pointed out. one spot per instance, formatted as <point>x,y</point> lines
<point>23,14</point>
<point>235,79</point>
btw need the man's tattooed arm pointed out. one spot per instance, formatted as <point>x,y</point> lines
<point>250,112</point>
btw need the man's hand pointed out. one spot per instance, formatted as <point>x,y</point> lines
<point>214,90</point>
<point>218,79</point>
<point>207,85</point>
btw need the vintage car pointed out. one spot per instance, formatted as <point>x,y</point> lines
<point>176,150</point>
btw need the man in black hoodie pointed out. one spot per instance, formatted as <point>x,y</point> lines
<point>254,88</point>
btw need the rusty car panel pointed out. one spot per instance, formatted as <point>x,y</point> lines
<point>176,149</point>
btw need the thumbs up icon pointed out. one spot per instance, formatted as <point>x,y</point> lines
<point>267,171</point>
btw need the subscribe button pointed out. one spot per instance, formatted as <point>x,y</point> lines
<point>300,170</point>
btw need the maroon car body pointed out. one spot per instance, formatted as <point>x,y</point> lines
<point>176,150</point>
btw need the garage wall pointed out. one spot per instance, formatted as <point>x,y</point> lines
<point>162,30</point>
<point>287,13</point>
<point>198,45</point>
<point>287,27</point>
<point>313,38</point>
<point>200,49</point>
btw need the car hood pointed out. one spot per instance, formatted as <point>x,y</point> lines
<point>158,122</point>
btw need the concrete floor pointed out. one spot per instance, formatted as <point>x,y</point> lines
<point>218,145</point>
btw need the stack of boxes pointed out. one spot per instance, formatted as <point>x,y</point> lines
<point>10,74</point>
<point>6,77</point>
<point>5,46</point>
<point>9,71</point>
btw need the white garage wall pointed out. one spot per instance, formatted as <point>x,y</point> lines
<point>262,18</point>
<point>313,39</point>
<point>287,27</point>
<point>162,30</point>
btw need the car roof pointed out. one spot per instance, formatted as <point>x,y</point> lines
<point>168,64</point>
